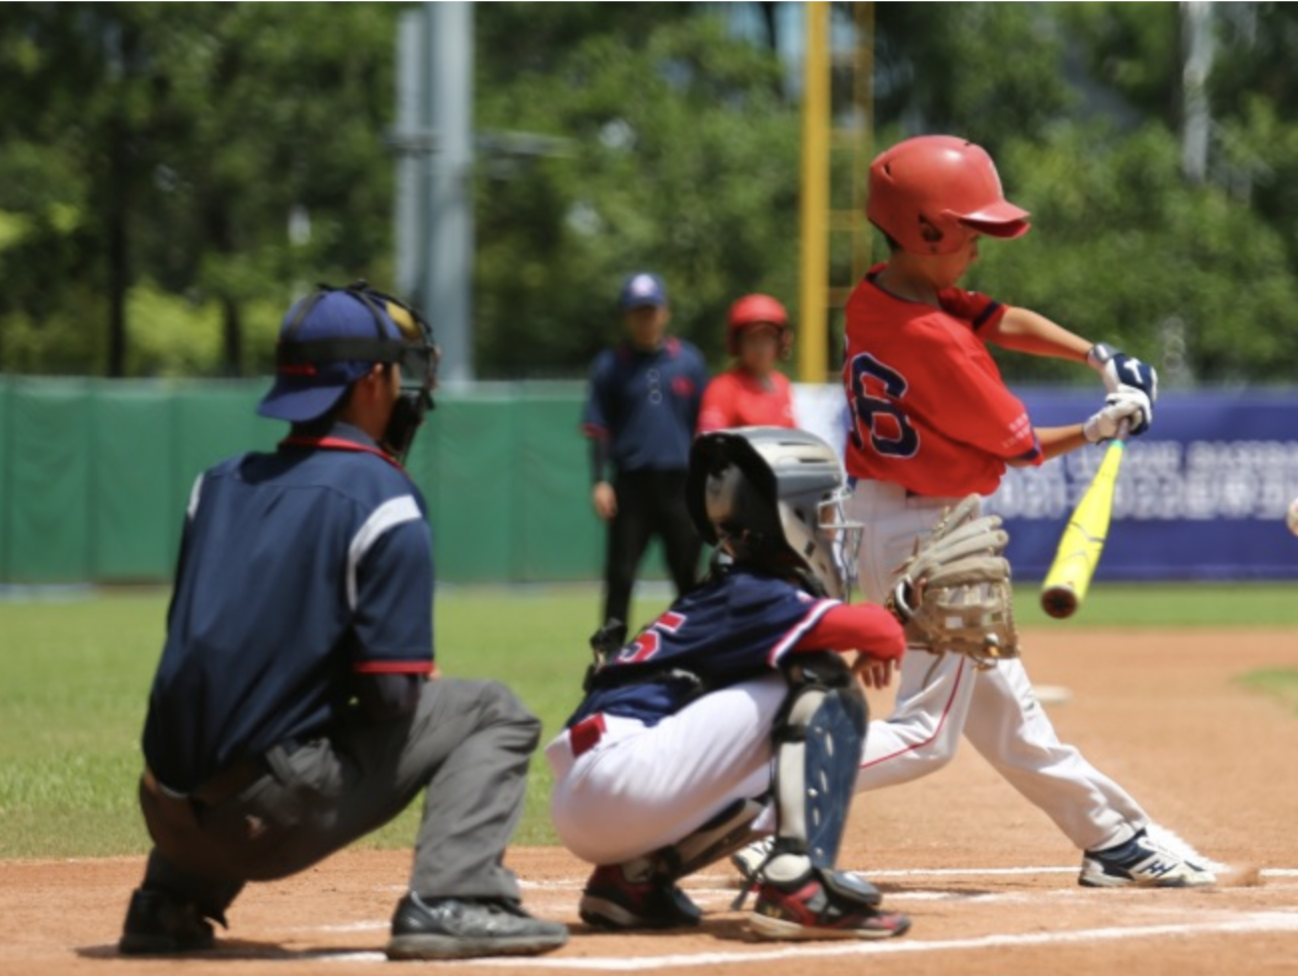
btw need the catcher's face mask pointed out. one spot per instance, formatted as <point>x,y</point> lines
<point>775,497</point>
<point>843,537</point>
<point>824,541</point>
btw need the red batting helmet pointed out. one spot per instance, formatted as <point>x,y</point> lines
<point>929,193</point>
<point>752,310</point>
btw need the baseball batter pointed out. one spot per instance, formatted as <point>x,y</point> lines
<point>733,700</point>
<point>933,421</point>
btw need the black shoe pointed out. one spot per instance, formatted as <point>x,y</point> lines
<point>157,923</point>
<point>460,928</point>
<point>612,901</point>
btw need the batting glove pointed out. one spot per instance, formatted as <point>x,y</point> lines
<point>1120,371</point>
<point>1128,408</point>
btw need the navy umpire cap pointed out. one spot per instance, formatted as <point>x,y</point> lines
<point>643,289</point>
<point>305,391</point>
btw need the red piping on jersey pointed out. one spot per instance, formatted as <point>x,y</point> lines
<point>936,732</point>
<point>796,632</point>
<point>595,431</point>
<point>393,667</point>
<point>986,314</point>
<point>340,444</point>
<point>1033,453</point>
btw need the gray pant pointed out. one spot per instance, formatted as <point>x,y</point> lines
<point>468,742</point>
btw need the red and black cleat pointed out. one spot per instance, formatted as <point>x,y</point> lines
<point>613,901</point>
<point>809,910</point>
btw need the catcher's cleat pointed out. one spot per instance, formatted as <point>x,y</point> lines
<point>1142,862</point>
<point>158,923</point>
<point>809,910</point>
<point>612,901</point>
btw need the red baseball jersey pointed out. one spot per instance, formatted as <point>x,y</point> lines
<point>739,399</point>
<point>929,409</point>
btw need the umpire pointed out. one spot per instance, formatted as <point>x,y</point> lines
<point>640,417</point>
<point>293,710</point>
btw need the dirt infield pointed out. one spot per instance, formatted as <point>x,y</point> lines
<point>990,883</point>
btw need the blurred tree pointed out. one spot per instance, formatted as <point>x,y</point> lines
<point>1122,250</point>
<point>171,145</point>
<point>1132,48</point>
<point>682,158</point>
<point>988,71</point>
<point>154,156</point>
<point>1204,274</point>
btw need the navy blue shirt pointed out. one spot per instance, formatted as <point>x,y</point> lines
<point>733,628</point>
<point>298,570</point>
<point>646,404</point>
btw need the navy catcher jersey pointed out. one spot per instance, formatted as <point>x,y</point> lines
<point>733,628</point>
<point>297,570</point>
<point>647,404</point>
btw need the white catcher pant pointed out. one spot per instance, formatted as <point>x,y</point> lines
<point>940,697</point>
<point>642,788</point>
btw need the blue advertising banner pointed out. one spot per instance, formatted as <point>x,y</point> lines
<point>1202,496</point>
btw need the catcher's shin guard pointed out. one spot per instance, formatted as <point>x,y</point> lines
<point>818,742</point>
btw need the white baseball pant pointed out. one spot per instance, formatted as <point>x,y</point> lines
<point>623,789</point>
<point>941,696</point>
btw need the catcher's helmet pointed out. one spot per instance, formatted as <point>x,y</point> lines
<point>753,310</point>
<point>774,497</point>
<point>931,192</point>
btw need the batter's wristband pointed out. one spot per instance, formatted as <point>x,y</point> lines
<point>1099,355</point>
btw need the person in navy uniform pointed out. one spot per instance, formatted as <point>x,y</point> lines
<point>640,416</point>
<point>733,713</point>
<point>294,710</point>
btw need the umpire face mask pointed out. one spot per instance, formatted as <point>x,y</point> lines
<point>413,352</point>
<point>416,360</point>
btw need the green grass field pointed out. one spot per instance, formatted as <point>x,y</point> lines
<point>74,680</point>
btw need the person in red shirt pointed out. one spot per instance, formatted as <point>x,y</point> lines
<point>754,393</point>
<point>932,421</point>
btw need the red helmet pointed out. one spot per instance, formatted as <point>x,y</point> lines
<point>752,310</point>
<point>929,193</point>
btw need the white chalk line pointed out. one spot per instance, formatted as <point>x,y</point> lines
<point>712,897</point>
<point>719,882</point>
<point>894,899</point>
<point>1249,924</point>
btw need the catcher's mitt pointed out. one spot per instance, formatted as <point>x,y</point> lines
<point>953,594</point>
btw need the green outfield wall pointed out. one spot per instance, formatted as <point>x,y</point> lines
<point>95,474</point>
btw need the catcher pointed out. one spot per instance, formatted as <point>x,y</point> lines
<point>733,714</point>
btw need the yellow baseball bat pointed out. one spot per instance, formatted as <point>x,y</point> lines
<point>1080,546</point>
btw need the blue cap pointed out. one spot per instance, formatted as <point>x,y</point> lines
<point>304,392</point>
<point>643,289</point>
